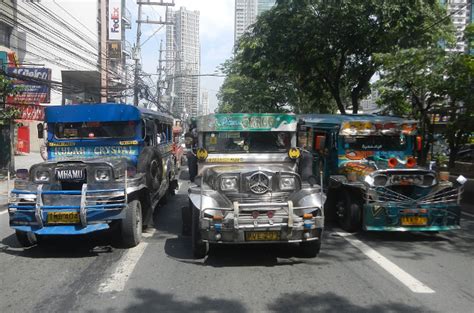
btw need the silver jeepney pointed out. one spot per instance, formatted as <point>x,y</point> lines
<point>249,187</point>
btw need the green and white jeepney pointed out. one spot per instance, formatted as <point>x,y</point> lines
<point>249,188</point>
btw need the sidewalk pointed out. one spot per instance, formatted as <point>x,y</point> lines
<point>21,161</point>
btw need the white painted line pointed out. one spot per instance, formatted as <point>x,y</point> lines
<point>116,282</point>
<point>467,214</point>
<point>411,282</point>
<point>3,212</point>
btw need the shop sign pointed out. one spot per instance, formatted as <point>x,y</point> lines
<point>32,91</point>
<point>30,112</point>
<point>115,49</point>
<point>115,19</point>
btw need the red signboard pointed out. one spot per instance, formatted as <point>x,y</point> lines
<point>30,112</point>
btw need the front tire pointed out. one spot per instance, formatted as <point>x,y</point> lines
<point>26,239</point>
<point>200,249</point>
<point>131,226</point>
<point>310,249</point>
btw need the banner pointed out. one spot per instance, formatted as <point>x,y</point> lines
<point>115,19</point>
<point>31,92</point>
<point>30,112</point>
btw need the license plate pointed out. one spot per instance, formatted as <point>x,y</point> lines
<point>63,218</point>
<point>262,235</point>
<point>414,220</point>
<point>71,174</point>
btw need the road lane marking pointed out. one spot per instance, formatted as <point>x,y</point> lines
<point>3,212</point>
<point>411,282</point>
<point>124,269</point>
<point>468,214</point>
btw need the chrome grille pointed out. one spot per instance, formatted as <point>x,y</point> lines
<point>268,197</point>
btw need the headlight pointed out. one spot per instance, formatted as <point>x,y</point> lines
<point>229,184</point>
<point>380,180</point>
<point>42,176</point>
<point>287,183</point>
<point>102,174</point>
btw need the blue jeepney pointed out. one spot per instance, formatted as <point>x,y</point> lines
<point>108,166</point>
<point>369,164</point>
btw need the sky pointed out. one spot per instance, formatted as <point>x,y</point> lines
<point>216,36</point>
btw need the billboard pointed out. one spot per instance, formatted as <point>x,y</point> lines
<point>115,19</point>
<point>30,112</point>
<point>32,90</point>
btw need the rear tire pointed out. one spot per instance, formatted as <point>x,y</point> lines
<point>351,218</point>
<point>150,163</point>
<point>310,249</point>
<point>186,217</point>
<point>200,249</point>
<point>26,239</point>
<point>131,226</point>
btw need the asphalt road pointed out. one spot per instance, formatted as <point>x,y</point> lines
<point>366,272</point>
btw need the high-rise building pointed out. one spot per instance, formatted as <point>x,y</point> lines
<point>183,61</point>
<point>246,12</point>
<point>461,16</point>
<point>204,107</point>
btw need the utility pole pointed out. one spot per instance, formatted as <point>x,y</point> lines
<point>160,68</point>
<point>137,44</point>
<point>103,51</point>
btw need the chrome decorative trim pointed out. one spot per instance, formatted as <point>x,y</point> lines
<point>259,183</point>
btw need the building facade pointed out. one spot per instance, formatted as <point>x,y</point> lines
<point>60,43</point>
<point>461,15</point>
<point>204,107</point>
<point>246,12</point>
<point>183,62</point>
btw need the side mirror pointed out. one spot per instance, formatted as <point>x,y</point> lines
<point>40,128</point>
<point>320,143</point>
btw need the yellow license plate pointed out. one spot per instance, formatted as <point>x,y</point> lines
<point>262,235</point>
<point>63,218</point>
<point>414,220</point>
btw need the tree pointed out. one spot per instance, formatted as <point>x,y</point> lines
<point>326,48</point>
<point>417,83</point>
<point>7,114</point>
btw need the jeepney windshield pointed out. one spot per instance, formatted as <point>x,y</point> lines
<point>91,130</point>
<point>379,142</point>
<point>235,142</point>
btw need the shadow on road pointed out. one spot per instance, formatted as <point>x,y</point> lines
<point>330,302</point>
<point>148,300</point>
<point>61,247</point>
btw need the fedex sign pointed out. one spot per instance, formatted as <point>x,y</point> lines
<point>115,19</point>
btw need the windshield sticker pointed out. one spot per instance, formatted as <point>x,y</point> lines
<point>224,160</point>
<point>61,144</point>
<point>371,147</point>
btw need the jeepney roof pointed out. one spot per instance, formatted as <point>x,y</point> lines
<point>354,125</point>
<point>247,122</point>
<point>340,119</point>
<point>101,112</point>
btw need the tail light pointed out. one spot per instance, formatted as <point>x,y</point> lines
<point>392,162</point>
<point>419,143</point>
<point>255,214</point>
<point>411,162</point>
<point>270,214</point>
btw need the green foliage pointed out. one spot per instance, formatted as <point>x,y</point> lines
<point>7,114</point>
<point>323,50</point>
<point>419,82</point>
